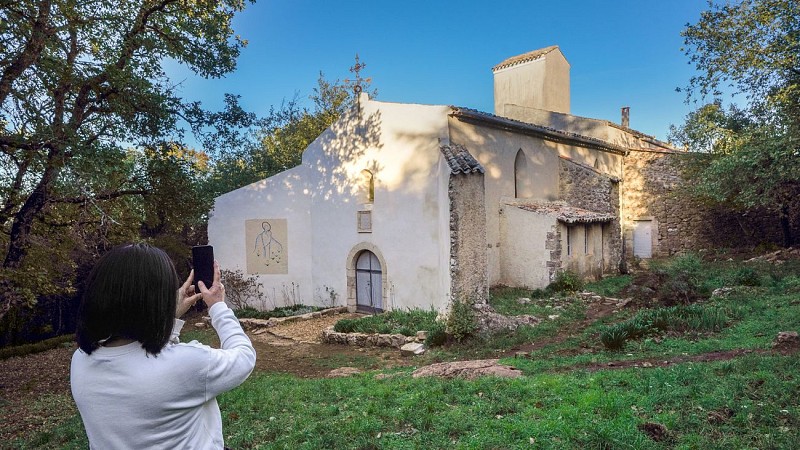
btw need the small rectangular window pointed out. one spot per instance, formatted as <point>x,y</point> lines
<point>569,240</point>
<point>586,239</point>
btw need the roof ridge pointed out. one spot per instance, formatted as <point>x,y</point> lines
<point>525,57</point>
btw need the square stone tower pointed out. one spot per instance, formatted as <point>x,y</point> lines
<point>537,79</point>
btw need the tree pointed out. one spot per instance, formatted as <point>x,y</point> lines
<point>83,99</point>
<point>751,154</point>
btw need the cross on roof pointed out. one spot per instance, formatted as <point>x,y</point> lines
<point>358,81</point>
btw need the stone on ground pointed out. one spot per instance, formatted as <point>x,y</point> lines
<point>412,348</point>
<point>468,369</point>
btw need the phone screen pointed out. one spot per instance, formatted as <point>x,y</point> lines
<point>203,264</point>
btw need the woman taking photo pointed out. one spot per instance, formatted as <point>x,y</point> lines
<point>137,387</point>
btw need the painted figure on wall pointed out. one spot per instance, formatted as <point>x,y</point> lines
<point>266,246</point>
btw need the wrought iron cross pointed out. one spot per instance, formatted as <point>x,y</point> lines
<point>358,81</point>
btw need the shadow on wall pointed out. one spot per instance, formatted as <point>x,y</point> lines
<point>337,167</point>
<point>330,175</point>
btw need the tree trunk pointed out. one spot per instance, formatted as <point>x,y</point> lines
<point>786,226</point>
<point>19,238</point>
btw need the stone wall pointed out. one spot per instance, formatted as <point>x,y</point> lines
<point>553,244</point>
<point>468,259</point>
<point>585,187</point>
<point>653,189</point>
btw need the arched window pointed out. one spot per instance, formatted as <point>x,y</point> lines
<point>367,187</point>
<point>522,177</point>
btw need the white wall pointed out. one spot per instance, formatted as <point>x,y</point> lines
<point>523,253</point>
<point>399,143</point>
<point>285,195</point>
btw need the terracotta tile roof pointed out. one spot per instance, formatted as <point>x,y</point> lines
<point>563,212</point>
<point>460,160</point>
<point>553,134</point>
<point>525,57</point>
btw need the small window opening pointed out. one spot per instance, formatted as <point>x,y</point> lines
<point>367,186</point>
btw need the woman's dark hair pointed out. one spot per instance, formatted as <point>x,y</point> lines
<point>130,293</point>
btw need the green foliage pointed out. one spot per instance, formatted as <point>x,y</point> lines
<point>405,322</point>
<point>566,282</point>
<point>749,154</point>
<point>90,131</point>
<point>692,318</point>
<point>681,281</point>
<point>41,346</point>
<point>609,286</point>
<point>461,321</point>
<point>745,276</point>
<point>437,335</point>
<point>281,137</point>
<point>284,311</point>
<point>241,290</point>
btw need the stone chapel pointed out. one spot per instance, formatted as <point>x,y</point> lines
<point>401,205</point>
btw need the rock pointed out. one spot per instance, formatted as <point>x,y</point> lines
<point>523,300</point>
<point>200,325</point>
<point>786,340</point>
<point>412,348</point>
<point>553,316</point>
<point>343,372</point>
<point>468,370</point>
<point>422,336</point>
<point>721,292</point>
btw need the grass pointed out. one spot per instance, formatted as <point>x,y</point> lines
<point>746,402</point>
<point>405,322</point>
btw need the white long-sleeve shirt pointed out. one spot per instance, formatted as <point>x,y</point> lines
<point>130,400</point>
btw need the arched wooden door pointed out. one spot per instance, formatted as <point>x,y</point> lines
<point>369,291</point>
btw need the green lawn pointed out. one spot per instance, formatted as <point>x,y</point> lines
<point>752,401</point>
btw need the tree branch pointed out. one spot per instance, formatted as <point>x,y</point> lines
<point>40,31</point>
<point>104,196</point>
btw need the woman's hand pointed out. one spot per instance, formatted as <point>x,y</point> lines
<point>186,296</point>
<point>216,293</point>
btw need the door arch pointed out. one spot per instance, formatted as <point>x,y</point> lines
<point>369,286</point>
<point>365,264</point>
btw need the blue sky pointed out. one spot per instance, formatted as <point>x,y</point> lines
<point>622,53</point>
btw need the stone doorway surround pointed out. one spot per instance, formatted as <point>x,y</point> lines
<point>351,274</point>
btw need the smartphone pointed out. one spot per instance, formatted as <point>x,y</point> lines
<point>203,264</point>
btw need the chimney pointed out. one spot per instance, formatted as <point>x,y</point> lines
<point>626,116</point>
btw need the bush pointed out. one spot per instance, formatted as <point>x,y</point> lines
<point>240,289</point>
<point>406,323</point>
<point>437,335</point>
<point>461,320</point>
<point>566,281</point>
<point>284,311</point>
<point>745,276</point>
<point>681,281</point>
<point>676,318</point>
<point>614,338</point>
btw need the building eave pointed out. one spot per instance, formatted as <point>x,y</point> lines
<point>551,134</point>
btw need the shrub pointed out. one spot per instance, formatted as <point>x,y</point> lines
<point>240,289</point>
<point>566,281</point>
<point>614,338</point>
<point>461,320</point>
<point>437,335</point>
<point>344,326</point>
<point>745,276</point>
<point>406,323</point>
<point>681,281</point>
<point>284,311</point>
